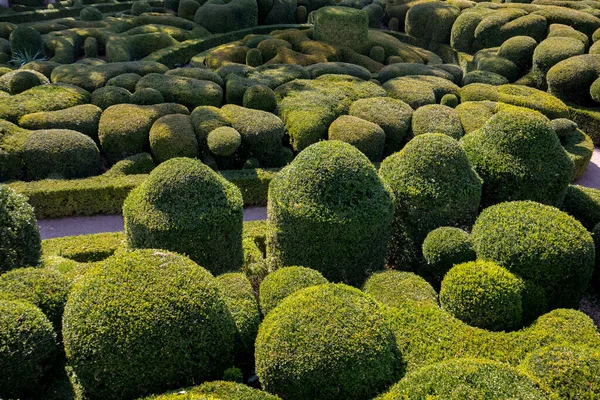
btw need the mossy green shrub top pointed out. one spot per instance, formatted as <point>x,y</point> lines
<point>329,210</point>
<point>538,243</point>
<point>186,207</point>
<point>144,322</point>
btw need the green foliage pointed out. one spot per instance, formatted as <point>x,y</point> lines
<point>84,248</point>
<point>90,14</point>
<point>555,49</point>
<point>326,333</point>
<point>224,141</point>
<point>260,97</point>
<point>173,136</point>
<point>21,80</point>
<point>450,100</point>
<point>27,349</point>
<point>62,152</point>
<point>435,118</point>
<point>187,91</point>
<point>519,157</point>
<point>576,143</point>
<point>43,288</point>
<point>395,288</point>
<point>126,81</point>
<point>19,234</point>
<point>140,315</point>
<point>583,204</point>
<point>26,40</point>
<point>285,281</point>
<point>442,249</point>
<point>166,211</point>
<point>342,26</point>
<point>218,17</point>
<point>366,136</point>
<point>139,7</point>
<point>233,374</point>
<point>83,119</point>
<point>147,97</point>
<point>539,244</point>
<point>329,210</point>
<point>203,74</point>
<point>434,185</point>
<point>465,378</point>
<point>431,21</point>
<point>216,390</point>
<point>109,96</point>
<point>485,77</point>
<point>474,114</point>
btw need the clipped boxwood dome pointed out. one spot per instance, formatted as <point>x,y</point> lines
<point>466,378</point>
<point>519,157</point>
<point>131,326</point>
<point>324,334</point>
<point>216,390</point>
<point>442,249</point>
<point>540,244</point>
<point>328,209</point>
<point>19,234</point>
<point>434,185</point>
<point>366,136</point>
<point>186,207</point>
<point>394,288</point>
<point>27,349</point>
<point>484,295</point>
<point>223,141</point>
<point>280,284</point>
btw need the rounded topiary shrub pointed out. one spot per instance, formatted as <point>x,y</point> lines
<point>44,288</point>
<point>173,136</point>
<point>90,14</point>
<point>464,378</point>
<point>26,41</point>
<point>324,334</point>
<point>147,97</point>
<point>328,209</point>
<point>19,234</point>
<point>434,185</point>
<point>21,81</point>
<point>223,141</point>
<point>394,288</point>
<point>186,207</point>
<point>260,97</point>
<point>483,295</point>
<point>366,136</point>
<point>436,118</point>
<point>27,349</point>
<point>540,244</point>
<point>583,203</point>
<point>146,321</point>
<point>442,249</point>
<point>572,372</point>
<point>217,390</point>
<point>107,96</point>
<point>519,157</point>
<point>63,152</point>
<point>280,284</point>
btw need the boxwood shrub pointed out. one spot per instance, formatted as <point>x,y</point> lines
<point>583,204</point>
<point>395,288</point>
<point>323,334</point>
<point>329,210</point>
<point>280,284</point>
<point>173,136</point>
<point>186,207</point>
<point>442,249</point>
<point>366,136</point>
<point>216,390</point>
<point>140,315</point>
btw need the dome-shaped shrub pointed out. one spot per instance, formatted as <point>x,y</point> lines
<point>539,244</point>
<point>173,136</point>
<point>217,390</point>
<point>434,186</point>
<point>483,295</point>
<point>19,234</point>
<point>63,152</point>
<point>44,288</point>
<point>109,96</point>
<point>366,136</point>
<point>324,334</point>
<point>26,41</point>
<point>147,97</point>
<point>223,141</point>
<point>186,207</point>
<point>435,118</point>
<point>572,372</point>
<point>27,349</point>
<point>442,249</point>
<point>464,378</point>
<point>280,284</point>
<point>21,80</point>
<point>125,81</point>
<point>260,97</point>
<point>395,288</point>
<point>519,157</point>
<point>90,14</point>
<point>583,203</point>
<point>146,321</point>
<point>328,209</point>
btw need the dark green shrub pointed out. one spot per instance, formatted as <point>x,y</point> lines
<point>27,349</point>
<point>583,204</point>
<point>572,372</point>
<point>219,17</point>
<point>260,97</point>
<point>366,136</point>
<point>217,390</point>
<point>224,141</point>
<point>141,163</point>
<point>283,282</point>
<point>109,96</point>
<point>90,47</point>
<point>393,116</point>
<point>140,315</point>
<point>21,81</point>
<point>146,97</point>
<point>83,119</point>
<point>233,374</point>
<point>205,119</point>
<point>431,21</point>
<point>540,244</point>
<point>395,288</point>
<point>186,207</point>
<point>342,26</point>
<point>413,92</point>
<point>434,185</point>
<point>570,79</point>
<point>203,74</point>
<point>442,249</point>
<point>377,53</point>
<point>90,14</point>
<point>435,118</point>
<point>474,114</point>
<point>126,81</point>
<point>450,100</point>
<point>254,58</point>
<point>339,68</point>
<point>486,77</point>
<point>139,7</point>
<point>595,282</point>
<point>187,91</point>
<point>519,50</point>
<point>500,66</point>
<point>187,9</point>
<point>62,152</point>
<point>312,337</point>
<point>26,41</point>
<point>555,49</point>
<point>465,378</point>
<point>82,248</point>
<point>576,143</point>
<point>328,209</point>
<point>483,294</point>
<point>173,136</point>
<point>519,157</point>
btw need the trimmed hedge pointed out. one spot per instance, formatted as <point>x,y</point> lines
<point>583,204</point>
<point>216,390</point>
<point>283,282</point>
<point>323,334</point>
<point>185,206</point>
<point>141,163</point>
<point>442,249</point>
<point>83,119</point>
<point>576,143</point>
<point>140,315</point>
<point>396,288</point>
<point>84,248</point>
<point>329,210</point>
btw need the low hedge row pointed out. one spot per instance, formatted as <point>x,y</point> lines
<point>105,195</point>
